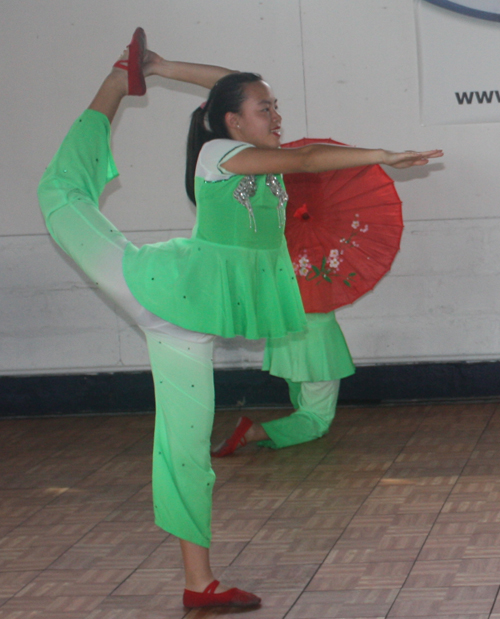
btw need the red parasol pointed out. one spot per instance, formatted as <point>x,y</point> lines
<point>343,231</point>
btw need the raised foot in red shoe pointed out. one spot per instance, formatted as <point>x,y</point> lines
<point>134,63</point>
<point>231,597</point>
<point>235,441</point>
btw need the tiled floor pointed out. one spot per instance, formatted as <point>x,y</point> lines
<point>396,513</point>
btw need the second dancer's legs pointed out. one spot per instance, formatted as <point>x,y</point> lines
<point>312,362</point>
<point>315,405</point>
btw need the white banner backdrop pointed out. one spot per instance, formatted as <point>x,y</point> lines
<point>459,60</point>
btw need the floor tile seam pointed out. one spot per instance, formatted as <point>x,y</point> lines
<point>439,513</point>
<point>50,596</point>
<point>132,572</point>
<point>477,442</point>
<point>102,421</point>
<point>125,500</point>
<point>494,602</point>
<point>41,507</point>
<point>328,453</point>
<point>381,477</point>
<point>487,425</point>
<point>83,535</point>
<point>478,439</point>
<point>120,453</point>
<point>271,516</point>
<point>420,590</point>
<point>141,489</point>
<point>99,609</point>
<point>313,575</point>
<point>92,613</point>
<point>55,498</point>
<point>49,567</point>
<point>23,587</point>
<point>299,594</point>
<point>424,417</point>
<point>248,542</point>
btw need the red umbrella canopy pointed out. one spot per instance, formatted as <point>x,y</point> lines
<point>343,231</point>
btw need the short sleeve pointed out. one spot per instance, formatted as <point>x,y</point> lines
<point>214,154</point>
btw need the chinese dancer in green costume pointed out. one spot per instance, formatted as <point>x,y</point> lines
<point>232,277</point>
<point>312,362</point>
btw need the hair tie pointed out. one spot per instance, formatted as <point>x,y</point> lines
<point>203,105</point>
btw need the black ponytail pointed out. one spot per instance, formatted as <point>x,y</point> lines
<point>197,136</point>
<point>208,121</point>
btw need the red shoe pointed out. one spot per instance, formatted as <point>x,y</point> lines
<point>133,64</point>
<point>231,597</point>
<point>237,439</point>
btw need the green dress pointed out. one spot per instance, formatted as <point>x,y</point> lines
<point>234,275</point>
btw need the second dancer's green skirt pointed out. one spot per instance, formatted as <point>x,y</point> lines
<point>318,354</point>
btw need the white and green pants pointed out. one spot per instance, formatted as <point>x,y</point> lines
<point>315,404</point>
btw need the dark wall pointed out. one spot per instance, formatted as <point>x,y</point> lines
<point>133,391</point>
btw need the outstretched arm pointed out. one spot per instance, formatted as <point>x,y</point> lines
<point>201,74</point>
<point>320,158</point>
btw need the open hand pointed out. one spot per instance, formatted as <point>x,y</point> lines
<point>410,158</point>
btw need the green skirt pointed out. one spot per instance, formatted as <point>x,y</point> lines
<point>219,289</point>
<point>318,354</point>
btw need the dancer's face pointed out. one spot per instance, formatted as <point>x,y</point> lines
<point>258,121</point>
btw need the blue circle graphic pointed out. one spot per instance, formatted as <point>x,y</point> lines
<point>482,9</point>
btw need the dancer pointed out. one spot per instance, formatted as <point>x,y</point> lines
<point>312,362</point>
<point>232,277</point>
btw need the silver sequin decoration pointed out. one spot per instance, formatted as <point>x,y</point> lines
<point>277,190</point>
<point>245,190</point>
